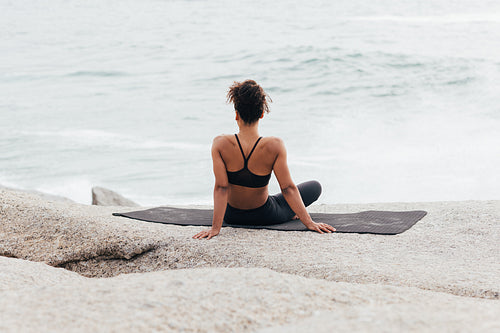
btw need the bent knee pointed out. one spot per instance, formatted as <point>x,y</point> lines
<point>310,191</point>
<point>316,189</point>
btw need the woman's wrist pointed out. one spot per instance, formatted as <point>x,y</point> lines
<point>307,220</point>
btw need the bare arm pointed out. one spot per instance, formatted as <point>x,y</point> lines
<point>220,192</point>
<point>291,192</point>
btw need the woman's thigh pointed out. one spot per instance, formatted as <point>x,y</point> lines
<point>276,209</point>
<point>309,192</point>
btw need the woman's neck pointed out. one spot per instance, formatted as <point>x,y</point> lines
<point>249,131</point>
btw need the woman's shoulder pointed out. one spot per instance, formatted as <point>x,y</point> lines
<point>273,143</point>
<point>223,139</point>
<point>272,139</point>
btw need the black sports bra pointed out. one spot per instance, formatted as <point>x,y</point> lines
<point>244,177</point>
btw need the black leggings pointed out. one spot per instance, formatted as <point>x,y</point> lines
<point>275,210</point>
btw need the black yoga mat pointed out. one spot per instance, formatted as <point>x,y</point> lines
<point>372,222</point>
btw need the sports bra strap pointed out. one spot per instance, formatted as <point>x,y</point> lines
<point>255,145</point>
<point>245,159</point>
<point>241,149</point>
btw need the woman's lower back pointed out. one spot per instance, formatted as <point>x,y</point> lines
<point>241,197</point>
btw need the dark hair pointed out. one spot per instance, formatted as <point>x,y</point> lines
<point>249,99</point>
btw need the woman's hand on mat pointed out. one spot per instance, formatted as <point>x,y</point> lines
<point>320,227</point>
<point>206,233</point>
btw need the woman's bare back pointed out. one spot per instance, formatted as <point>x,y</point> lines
<point>261,163</point>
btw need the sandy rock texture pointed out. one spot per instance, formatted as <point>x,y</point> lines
<point>442,274</point>
<point>225,300</point>
<point>454,249</point>
<point>46,196</point>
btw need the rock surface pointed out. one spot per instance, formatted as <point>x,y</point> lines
<point>103,197</point>
<point>453,249</point>
<point>46,196</point>
<point>443,271</point>
<point>225,300</point>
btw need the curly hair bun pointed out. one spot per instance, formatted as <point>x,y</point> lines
<point>249,99</point>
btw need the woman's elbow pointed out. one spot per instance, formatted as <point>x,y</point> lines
<point>221,188</point>
<point>288,189</point>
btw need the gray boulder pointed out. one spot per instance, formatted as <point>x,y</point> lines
<point>103,197</point>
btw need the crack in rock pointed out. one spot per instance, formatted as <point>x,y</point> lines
<point>104,257</point>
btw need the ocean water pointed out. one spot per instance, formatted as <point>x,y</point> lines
<point>379,101</point>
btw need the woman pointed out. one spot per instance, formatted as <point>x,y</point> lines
<point>242,166</point>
